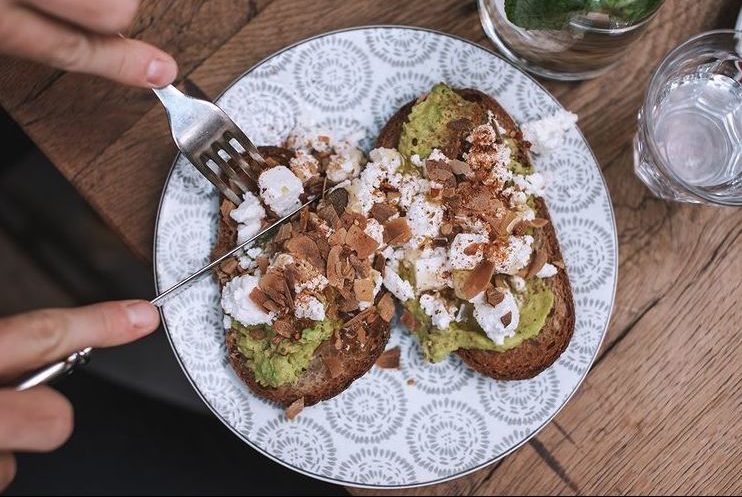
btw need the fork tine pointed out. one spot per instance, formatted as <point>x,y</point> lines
<point>226,167</point>
<point>215,180</point>
<point>247,144</point>
<point>241,161</point>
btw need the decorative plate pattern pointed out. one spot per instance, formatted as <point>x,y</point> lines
<point>386,431</point>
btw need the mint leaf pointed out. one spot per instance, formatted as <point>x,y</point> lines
<point>555,14</point>
<point>543,14</point>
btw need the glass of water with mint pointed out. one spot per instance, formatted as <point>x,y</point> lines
<point>565,39</point>
<point>688,145</point>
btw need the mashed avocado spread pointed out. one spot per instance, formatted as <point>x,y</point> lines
<point>278,365</point>
<point>427,128</point>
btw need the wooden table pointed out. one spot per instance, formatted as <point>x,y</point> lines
<point>661,410</point>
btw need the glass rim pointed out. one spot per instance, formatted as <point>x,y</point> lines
<point>652,89</point>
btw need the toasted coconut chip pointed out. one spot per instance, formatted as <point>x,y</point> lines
<point>538,222</point>
<point>383,211</point>
<point>328,214</point>
<point>303,247</point>
<point>334,269</point>
<point>501,282</point>
<point>358,318</point>
<point>559,264</point>
<point>478,280</point>
<point>539,260</point>
<point>333,365</point>
<point>362,266</point>
<point>283,233</point>
<point>364,289</point>
<point>386,307</point>
<point>505,225</point>
<point>295,408</point>
<point>446,229</point>
<point>440,171</point>
<point>324,247</point>
<point>461,167</point>
<point>347,302</point>
<point>349,219</point>
<point>506,318</point>
<point>263,263</point>
<point>230,266</point>
<point>338,237</point>
<point>448,193</point>
<point>226,208</point>
<point>472,248</point>
<point>338,199</point>
<point>258,296</point>
<point>380,264</point>
<point>270,306</point>
<point>347,271</point>
<point>389,359</point>
<point>522,228</point>
<point>362,243</point>
<point>397,232</point>
<point>408,319</point>
<point>303,220</point>
<point>494,296</point>
<point>284,327</point>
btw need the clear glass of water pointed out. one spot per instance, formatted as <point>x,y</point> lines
<point>688,146</point>
<point>565,40</point>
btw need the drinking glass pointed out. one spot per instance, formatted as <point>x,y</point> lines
<point>688,146</point>
<point>565,40</point>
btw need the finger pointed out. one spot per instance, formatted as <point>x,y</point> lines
<point>7,469</point>
<point>27,33</point>
<point>36,420</point>
<point>102,16</point>
<point>30,340</point>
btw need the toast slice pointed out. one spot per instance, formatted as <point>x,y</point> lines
<point>337,362</point>
<point>535,354</point>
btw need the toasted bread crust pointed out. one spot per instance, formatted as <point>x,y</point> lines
<point>535,354</point>
<point>350,361</point>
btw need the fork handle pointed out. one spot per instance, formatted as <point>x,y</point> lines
<point>168,95</point>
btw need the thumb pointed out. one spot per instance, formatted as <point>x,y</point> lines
<point>131,62</point>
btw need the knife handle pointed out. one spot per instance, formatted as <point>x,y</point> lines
<point>53,371</point>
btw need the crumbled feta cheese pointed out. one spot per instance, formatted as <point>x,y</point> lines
<point>247,260</point>
<point>396,285</point>
<point>375,230</point>
<point>364,190</point>
<point>436,154</point>
<point>424,219</point>
<point>408,186</point>
<point>533,184</point>
<point>547,271</point>
<point>280,189</point>
<point>518,283</point>
<point>436,308</point>
<point>309,307</point>
<point>378,280</point>
<point>393,256</point>
<point>516,197</point>
<point>304,165</point>
<point>431,269</point>
<point>461,313</point>
<point>546,134</point>
<point>457,259</point>
<point>417,161</point>
<point>516,255</point>
<point>249,216</point>
<point>527,214</point>
<point>490,317</point>
<point>237,303</point>
<point>344,164</point>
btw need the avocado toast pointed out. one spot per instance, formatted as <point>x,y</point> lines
<point>481,273</point>
<point>304,314</point>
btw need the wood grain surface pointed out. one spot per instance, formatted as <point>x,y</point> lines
<point>660,411</point>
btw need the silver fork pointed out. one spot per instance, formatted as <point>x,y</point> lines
<point>208,138</point>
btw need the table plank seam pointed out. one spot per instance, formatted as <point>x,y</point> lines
<point>553,463</point>
<point>564,432</point>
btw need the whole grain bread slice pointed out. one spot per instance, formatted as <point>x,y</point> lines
<point>337,362</point>
<point>535,354</point>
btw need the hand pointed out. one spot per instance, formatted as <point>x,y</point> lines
<point>82,36</point>
<point>40,419</point>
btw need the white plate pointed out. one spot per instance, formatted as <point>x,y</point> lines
<point>382,432</point>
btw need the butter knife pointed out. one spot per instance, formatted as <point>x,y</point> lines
<point>55,370</point>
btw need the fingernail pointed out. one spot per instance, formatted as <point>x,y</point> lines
<point>160,72</point>
<point>142,315</point>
